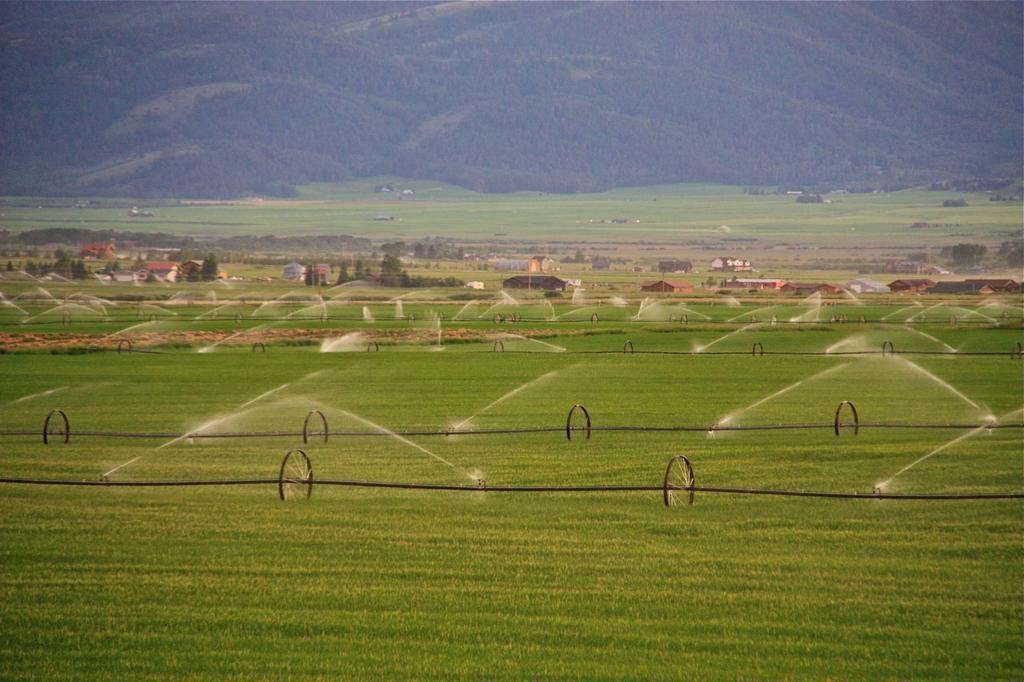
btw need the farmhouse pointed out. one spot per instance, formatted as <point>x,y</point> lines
<point>914,286</point>
<point>866,286</point>
<point>474,284</point>
<point>740,283</point>
<point>806,289</point>
<point>545,282</point>
<point>540,264</point>
<point>98,251</point>
<point>190,268</point>
<point>663,285</point>
<point>293,271</point>
<point>160,270</point>
<point>675,266</point>
<point>730,264</point>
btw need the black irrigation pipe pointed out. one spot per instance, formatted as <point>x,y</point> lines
<point>517,488</point>
<point>767,352</point>
<point>862,353</point>
<point>509,431</point>
<point>532,320</point>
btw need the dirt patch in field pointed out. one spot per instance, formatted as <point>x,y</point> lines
<point>198,339</point>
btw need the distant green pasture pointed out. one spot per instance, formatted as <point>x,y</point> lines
<point>672,214</point>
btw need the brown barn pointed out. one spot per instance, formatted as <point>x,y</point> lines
<point>808,289</point>
<point>190,268</point>
<point>663,285</point>
<point>541,282</point>
<point>993,286</point>
<point>914,286</point>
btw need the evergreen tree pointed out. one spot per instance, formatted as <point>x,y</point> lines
<point>391,273</point>
<point>210,268</point>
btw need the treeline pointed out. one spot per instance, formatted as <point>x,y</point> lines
<point>388,273</point>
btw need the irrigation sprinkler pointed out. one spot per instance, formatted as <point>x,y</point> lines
<point>46,426</point>
<point>125,345</point>
<point>594,319</point>
<point>305,426</point>
<point>888,347</point>
<point>1018,351</point>
<point>259,344</point>
<point>373,346</point>
<point>627,347</point>
<point>568,420</point>
<point>838,423</point>
<point>685,319</point>
<point>295,479</point>
<point>678,476</point>
<point>757,349</point>
<point>499,346</point>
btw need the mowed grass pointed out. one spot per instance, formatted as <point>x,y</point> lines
<point>362,583</point>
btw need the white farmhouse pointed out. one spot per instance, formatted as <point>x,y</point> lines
<point>293,271</point>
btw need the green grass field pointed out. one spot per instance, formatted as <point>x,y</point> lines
<point>670,214</point>
<point>381,583</point>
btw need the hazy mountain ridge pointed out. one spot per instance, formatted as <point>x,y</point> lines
<point>218,99</point>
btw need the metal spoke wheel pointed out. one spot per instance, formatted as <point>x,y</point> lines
<point>679,482</point>
<point>295,480</point>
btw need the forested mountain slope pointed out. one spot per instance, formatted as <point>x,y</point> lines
<point>221,99</point>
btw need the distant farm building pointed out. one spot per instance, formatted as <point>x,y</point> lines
<point>474,284</point>
<point>910,267</point>
<point>511,264</point>
<point>995,286</point>
<point>913,286</point>
<point>383,217</point>
<point>98,251</point>
<point>976,286</point>
<point>190,268</point>
<point>293,271</point>
<point>128,276</point>
<point>748,283</point>
<point>866,286</point>
<point>729,264</point>
<point>663,285</point>
<point>807,289</point>
<point>541,282</point>
<point>540,264</point>
<point>675,266</point>
<point>161,271</point>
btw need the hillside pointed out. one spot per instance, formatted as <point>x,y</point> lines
<point>223,99</point>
